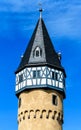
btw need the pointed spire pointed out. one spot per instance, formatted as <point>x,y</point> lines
<point>40,44</point>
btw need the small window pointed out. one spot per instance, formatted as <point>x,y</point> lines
<point>54,75</point>
<point>20,78</point>
<point>38,73</point>
<point>19,102</point>
<point>34,74</point>
<point>54,100</point>
<point>37,53</point>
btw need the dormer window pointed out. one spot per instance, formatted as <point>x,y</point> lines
<point>37,52</point>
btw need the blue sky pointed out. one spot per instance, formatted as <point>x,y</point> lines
<point>17,22</point>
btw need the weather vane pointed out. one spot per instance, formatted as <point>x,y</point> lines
<point>40,9</point>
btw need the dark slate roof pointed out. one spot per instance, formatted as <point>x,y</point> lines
<point>40,38</point>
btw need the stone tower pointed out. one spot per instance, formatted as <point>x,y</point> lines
<point>40,84</point>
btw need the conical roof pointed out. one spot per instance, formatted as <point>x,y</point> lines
<point>40,42</point>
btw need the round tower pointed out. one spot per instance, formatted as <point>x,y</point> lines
<point>40,84</point>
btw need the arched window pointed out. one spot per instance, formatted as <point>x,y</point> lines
<point>37,52</point>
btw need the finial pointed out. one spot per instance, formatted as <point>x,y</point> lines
<point>59,55</point>
<point>40,10</point>
<point>21,56</point>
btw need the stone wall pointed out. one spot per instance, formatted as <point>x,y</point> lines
<point>38,112</point>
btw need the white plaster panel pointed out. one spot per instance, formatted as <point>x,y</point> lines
<point>43,68</point>
<point>29,82</point>
<point>16,87</point>
<point>56,83</point>
<point>53,82</point>
<point>38,68</point>
<point>38,81</point>
<point>34,81</point>
<point>57,71</point>
<point>49,81</point>
<point>60,85</point>
<point>43,81</point>
<point>34,68</point>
